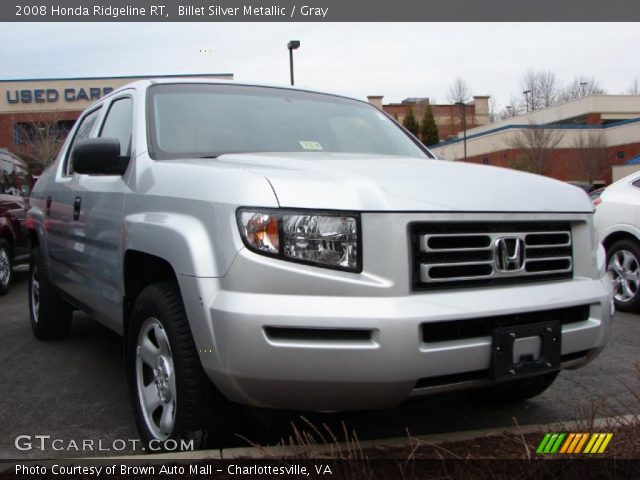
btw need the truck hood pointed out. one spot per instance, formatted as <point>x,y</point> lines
<point>388,183</point>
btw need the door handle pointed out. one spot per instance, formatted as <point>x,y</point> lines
<point>76,208</point>
<point>48,211</point>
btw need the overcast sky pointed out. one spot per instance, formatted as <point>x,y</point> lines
<point>357,59</point>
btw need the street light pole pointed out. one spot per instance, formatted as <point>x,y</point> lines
<point>526,99</point>
<point>583,85</point>
<point>292,45</point>
<point>464,127</point>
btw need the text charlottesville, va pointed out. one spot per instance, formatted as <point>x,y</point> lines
<point>248,10</point>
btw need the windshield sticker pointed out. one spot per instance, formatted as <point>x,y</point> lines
<point>310,145</point>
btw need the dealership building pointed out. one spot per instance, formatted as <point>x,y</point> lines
<point>450,118</point>
<point>613,119</point>
<point>31,104</point>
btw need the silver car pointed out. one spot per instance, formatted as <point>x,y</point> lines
<point>291,249</point>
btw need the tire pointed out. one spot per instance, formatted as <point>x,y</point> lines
<point>50,314</point>
<point>623,263</point>
<point>515,391</point>
<point>180,402</point>
<point>6,266</point>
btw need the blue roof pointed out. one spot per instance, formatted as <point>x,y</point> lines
<point>633,161</point>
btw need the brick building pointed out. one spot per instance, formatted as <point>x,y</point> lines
<point>36,112</point>
<point>612,119</point>
<point>448,117</point>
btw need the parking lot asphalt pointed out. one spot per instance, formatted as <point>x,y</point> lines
<point>75,390</point>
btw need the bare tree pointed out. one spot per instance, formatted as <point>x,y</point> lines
<point>513,108</point>
<point>459,91</point>
<point>548,88</point>
<point>542,87</point>
<point>590,163</point>
<point>494,109</point>
<point>534,146</point>
<point>529,87</point>
<point>634,87</point>
<point>580,87</point>
<point>39,139</point>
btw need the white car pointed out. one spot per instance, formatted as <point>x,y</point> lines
<point>617,221</point>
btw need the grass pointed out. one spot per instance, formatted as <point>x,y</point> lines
<point>506,455</point>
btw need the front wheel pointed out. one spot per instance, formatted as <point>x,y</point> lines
<point>172,396</point>
<point>6,266</point>
<point>623,263</point>
<point>50,314</point>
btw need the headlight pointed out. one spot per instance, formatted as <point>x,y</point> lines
<point>329,240</point>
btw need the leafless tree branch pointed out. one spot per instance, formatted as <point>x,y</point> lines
<point>590,163</point>
<point>634,87</point>
<point>459,91</point>
<point>39,139</point>
<point>535,145</point>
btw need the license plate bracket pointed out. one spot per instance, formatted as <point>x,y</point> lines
<point>503,366</point>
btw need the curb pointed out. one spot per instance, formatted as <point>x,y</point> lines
<point>326,450</point>
<point>437,438</point>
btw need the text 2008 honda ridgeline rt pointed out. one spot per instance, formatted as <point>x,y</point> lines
<point>296,250</point>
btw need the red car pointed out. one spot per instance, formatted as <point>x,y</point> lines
<point>595,196</point>
<point>15,186</point>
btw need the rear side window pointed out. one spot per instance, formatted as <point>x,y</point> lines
<point>83,131</point>
<point>118,124</point>
<point>636,183</point>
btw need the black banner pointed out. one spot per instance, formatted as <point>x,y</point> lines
<point>578,469</point>
<point>316,10</point>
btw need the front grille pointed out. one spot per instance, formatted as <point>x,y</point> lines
<point>444,331</point>
<point>450,255</point>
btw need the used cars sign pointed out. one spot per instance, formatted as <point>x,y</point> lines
<point>52,95</point>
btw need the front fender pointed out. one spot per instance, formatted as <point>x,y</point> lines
<point>619,228</point>
<point>184,241</point>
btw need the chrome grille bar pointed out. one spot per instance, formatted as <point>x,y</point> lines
<point>458,256</point>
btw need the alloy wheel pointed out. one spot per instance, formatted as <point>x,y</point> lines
<point>625,272</point>
<point>155,379</point>
<point>35,294</point>
<point>5,267</point>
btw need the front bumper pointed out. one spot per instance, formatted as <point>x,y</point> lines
<point>253,363</point>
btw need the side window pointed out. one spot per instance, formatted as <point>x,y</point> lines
<point>119,122</point>
<point>636,183</point>
<point>84,130</point>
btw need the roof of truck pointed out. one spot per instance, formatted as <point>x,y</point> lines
<point>212,81</point>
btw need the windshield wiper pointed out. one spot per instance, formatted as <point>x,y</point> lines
<point>209,156</point>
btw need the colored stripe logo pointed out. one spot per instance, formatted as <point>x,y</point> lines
<point>572,443</point>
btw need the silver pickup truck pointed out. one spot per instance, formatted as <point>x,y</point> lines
<point>289,249</point>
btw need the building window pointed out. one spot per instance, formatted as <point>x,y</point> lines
<point>35,132</point>
<point>485,161</point>
<point>620,154</point>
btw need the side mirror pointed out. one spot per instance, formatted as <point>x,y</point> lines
<point>98,156</point>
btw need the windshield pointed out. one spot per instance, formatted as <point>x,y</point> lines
<point>193,120</point>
